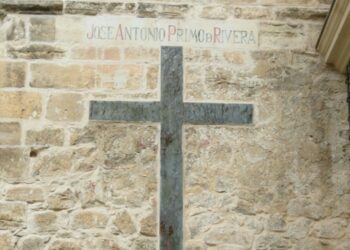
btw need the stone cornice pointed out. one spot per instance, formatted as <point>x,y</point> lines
<point>334,42</point>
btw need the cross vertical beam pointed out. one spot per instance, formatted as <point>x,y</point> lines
<point>171,200</point>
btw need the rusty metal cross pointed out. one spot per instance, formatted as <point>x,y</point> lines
<point>172,113</point>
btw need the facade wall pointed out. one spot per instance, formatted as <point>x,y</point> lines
<point>70,183</point>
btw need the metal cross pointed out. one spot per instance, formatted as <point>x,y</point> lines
<point>172,113</point>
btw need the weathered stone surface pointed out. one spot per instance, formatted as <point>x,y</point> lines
<point>12,29</point>
<point>13,163</point>
<point>10,133</point>
<point>102,243</point>
<point>330,228</point>
<point>20,104</point>
<point>69,244</point>
<point>302,13</point>
<point>13,74</point>
<point>228,235</point>
<point>247,12</point>
<point>88,219</point>
<point>33,6</point>
<point>299,228</point>
<point>124,223</point>
<point>152,10</point>
<point>45,221</point>
<point>270,241</point>
<point>45,137</point>
<point>311,244</point>
<point>12,214</point>
<point>152,76</point>
<point>142,54</point>
<point>62,76</point>
<point>94,8</point>
<point>62,199</point>
<point>215,12</point>
<point>65,107</point>
<point>149,225</point>
<point>25,193</point>
<point>6,241</point>
<point>31,242</point>
<point>42,29</point>
<point>36,51</point>
<point>276,224</point>
<point>303,207</point>
<point>145,244</point>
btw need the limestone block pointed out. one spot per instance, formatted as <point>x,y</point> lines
<point>152,76</point>
<point>65,107</point>
<point>31,242</point>
<point>42,29</point>
<point>87,219</point>
<point>127,76</point>
<point>68,29</point>
<point>10,133</point>
<point>149,225</point>
<point>46,136</point>
<point>145,244</point>
<point>45,221</point>
<point>6,241</point>
<point>330,228</point>
<point>13,163</point>
<point>215,12</point>
<point>12,28</point>
<point>311,244</point>
<point>29,194</point>
<point>248,12</point>
<point>62,199</point>
<point>299,228</point>
<point>235,57</point>
<point>60,244</point>
<point>228,235</point>
<point>270,241</point>
<point>33,6</point>
<point>124,223</point>
<point>12,214</point>
<point>276,224</point>
<point>111,53</point>
<point>95,8</point>
<point>20,104</point>
<point>73,76</point>
<point>303,207</point>
<point>36,51</point>
<point>101,243</point>
<point>13,74</point>
<point>142,54</point>
<point>152,10</point>
<point>302,13</point>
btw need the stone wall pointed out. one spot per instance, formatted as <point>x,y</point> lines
<point>67,183</point>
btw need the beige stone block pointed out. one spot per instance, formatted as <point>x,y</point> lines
<point>12,74</point>
<point>12,214</point>
<point>25,193</point>
<point>31,242</point>
<point>45,221</point>
<point>13,163</point>
<point>235,57</point>
<point>330,228</point>
<point>129,76</point>
<point>96,7</point>
<point>20,104</point>
<point>228,235</point>
<point>6,241</point>
<point>198,55</point>
<point>61,200</point>
<point>101,243</point>
<point>71,76</point>
<point>69,29</point>
<point>142,54</point>
<point>45,137</point>
<point>42,29</point>
<point>84,53</point>
<point>33,6</point>
<point>36,51</point>
<point>288,2</point>
<point>250,13</point>
<point>152,76</point>
<point>216,12</point>
<point>145,244</point>
<point>10,133</point>
<point>12,28</point>
<point>302,13</point>
<point>52,163</point>
<point>66,244</point>
<point>87,219</point>
<point>111,53</point>
<point>65,107</point>
<point>124,223</point>
<point>271,241</point>
<point>149,225</point>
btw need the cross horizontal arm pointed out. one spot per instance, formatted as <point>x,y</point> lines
<point>213,113</point>
<point>125,111</point>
